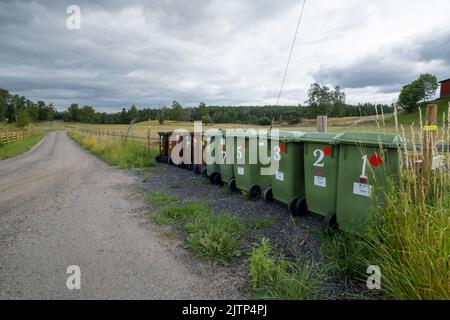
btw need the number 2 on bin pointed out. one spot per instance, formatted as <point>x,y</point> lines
<point>320,154</point>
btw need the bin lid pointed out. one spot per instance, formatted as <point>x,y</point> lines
<point>241,133</point>
<point>213,132</point>
<point>286,136</point>
<point>321,137</point>
<point>371,138</point>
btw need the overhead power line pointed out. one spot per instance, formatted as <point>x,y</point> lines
<point>290,52</point>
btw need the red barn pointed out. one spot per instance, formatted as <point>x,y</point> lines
<point>445,88</point>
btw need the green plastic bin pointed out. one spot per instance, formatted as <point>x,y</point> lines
<point>287,184</point>
<point>321,159</point>
<point>247,175</point>
<point>367,161</point>
<point>212,139</point>
<point>226,168</point>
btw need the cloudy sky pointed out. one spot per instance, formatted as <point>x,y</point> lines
<point>149,53</point>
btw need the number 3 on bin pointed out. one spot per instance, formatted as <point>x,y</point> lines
<point>277,153</point>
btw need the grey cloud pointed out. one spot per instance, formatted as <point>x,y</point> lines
<point>390,69</point>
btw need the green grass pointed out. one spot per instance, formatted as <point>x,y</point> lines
<point>258,223</point>
<point>408,118</point>
<point>124,155</point>
<point>345,256</point>
<point>157,199</point>
<point>213,236</point>
<point>170,215</point>
<point>18,147</point>
<point>276,278</point>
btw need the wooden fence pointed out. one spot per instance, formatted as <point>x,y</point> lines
<point>11,136</point>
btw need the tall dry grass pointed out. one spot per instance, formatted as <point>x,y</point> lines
<point>411,245</point>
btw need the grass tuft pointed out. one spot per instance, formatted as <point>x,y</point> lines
<point>345,256</point>
<point>157,199</point>
<point>258,223</point>
<point>277,278</point>
<point>215,236</point>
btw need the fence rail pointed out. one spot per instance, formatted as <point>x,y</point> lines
<point>119,136</point>
<point>11,136</point>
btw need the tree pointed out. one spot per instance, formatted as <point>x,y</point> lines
<point>123,117</point>
<point>264,121</point>
<point>206,120</point>
<point>132,113</point>
<point>176,113</point>
<point>4,99</point>
<point>417,92</point>
<point>23,118</point>
<point>74,111</point>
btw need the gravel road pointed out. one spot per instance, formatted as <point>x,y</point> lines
<point>61,206</point>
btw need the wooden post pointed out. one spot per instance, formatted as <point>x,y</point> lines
<point>429,140</point>
<point>148,140</point>
<point>322,123</point>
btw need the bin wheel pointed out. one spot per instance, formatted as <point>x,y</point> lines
<point>203,172</point>
<point>158,158</point>
<point>267,195</point>
<point>215,178</point>
<point>231,184</point>
<point>329,221</point>
<point>297,206</point>
<point>254,192</point>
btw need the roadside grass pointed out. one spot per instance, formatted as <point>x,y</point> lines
<point>124,155</point>
<point>275,278</point>
<point>212,236</point>
<point>16,148</point>
<point>157,199</point>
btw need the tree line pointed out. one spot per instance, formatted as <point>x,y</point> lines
<point>20,110</point>
<point>322,100</point>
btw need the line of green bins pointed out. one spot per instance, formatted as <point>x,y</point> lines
<point>338,176</point>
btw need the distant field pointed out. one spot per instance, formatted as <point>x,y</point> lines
<point>139,130</point>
